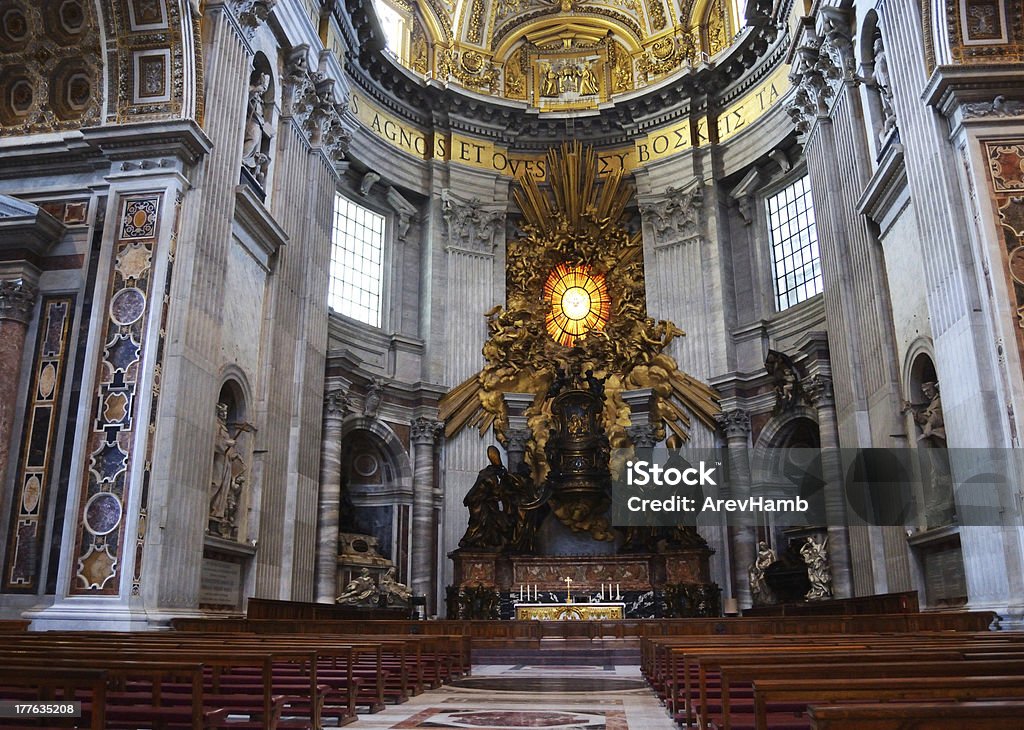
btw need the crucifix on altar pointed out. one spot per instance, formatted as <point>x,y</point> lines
<point>568,596</point>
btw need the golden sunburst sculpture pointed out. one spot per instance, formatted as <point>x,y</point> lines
<point>576,303</point>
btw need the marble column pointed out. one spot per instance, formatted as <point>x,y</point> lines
<point>335,407</point>
<point>423,434</point>
<point>819,390</point>
<point>17,302</point>
<point>735,424</point>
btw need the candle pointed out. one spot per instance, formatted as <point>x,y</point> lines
<point>618,594</point>
<point>602,592</point>
<point>520,592</point>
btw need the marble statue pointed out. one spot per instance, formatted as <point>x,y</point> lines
<point>881,80</point>
<point>229,474</point>
<point>759,589</point>
<point>391,589</point>
<point>254,158</point>
<point>819,571</point>
<point>359,589</point>
<point>928,416</point>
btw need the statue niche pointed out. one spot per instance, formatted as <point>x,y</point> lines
<point>232,458</point>
<point>257,147</point>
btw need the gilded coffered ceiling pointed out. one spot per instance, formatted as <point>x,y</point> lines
<point>561,54</point>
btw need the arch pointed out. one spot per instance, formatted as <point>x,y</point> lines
<point>391,444</point>
<point>507,39</point>
<point>776,432</point>
<point>233,377</point>
<point>918,367</point>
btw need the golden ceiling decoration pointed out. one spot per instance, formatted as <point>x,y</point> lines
<point>562,54</point>
<point>576,224</point>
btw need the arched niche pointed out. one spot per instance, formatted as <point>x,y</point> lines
<point>231,475</point>
<point>376,497</point>
<point>260,125</point>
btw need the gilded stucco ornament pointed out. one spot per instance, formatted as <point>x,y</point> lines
<point>579,223</point>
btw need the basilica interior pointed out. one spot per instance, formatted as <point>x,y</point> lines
<point>357,310</point>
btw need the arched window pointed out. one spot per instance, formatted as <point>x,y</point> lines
<point>357,262</point>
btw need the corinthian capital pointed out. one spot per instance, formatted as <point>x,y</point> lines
<point>819,391</point>
<point>17,300</point>
<point>336,404</point>
<point>735,423</point>
<point>424,431</point>
<point>642,436</point>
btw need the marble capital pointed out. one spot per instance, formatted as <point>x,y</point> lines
<point>735,423</point>
<point>819,391</point>
<point>336,404</point>
<point>642,435</point>
<point>17,300</point>
<point>425,431</point>
<point>516,439</point>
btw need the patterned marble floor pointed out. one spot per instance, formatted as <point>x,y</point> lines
<point>550,697</point>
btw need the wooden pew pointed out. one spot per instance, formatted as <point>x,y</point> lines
<point>828,691</point>
<point>1005,715</point>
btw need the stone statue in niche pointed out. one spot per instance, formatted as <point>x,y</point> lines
<point>819,571</point>
<point>928,416</point>
<point>230,475</point>
<point>936,471</point>
<point>256,143</point>
<point>881,81</point>
<point>760,591</point>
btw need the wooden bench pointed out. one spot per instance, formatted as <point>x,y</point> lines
<point>1005,715</point>
<point>806,692</point>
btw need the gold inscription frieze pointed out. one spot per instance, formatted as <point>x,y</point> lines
<point>657,145</point>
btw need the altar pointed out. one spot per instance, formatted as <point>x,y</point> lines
<point>570,611</point>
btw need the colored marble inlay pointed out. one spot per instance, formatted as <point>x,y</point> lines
<point>1006,176</point>
<point>495,719</point>
<point>21,567</point>
<point>107,482</point>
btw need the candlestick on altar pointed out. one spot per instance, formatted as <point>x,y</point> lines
<point>520,592</point>
<point>618,594</point>
<point>602,592</point>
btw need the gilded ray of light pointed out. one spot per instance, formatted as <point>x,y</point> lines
<point>579,303</point>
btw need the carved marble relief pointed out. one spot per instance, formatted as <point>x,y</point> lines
<point>35,467</point>
<point>99,539</point>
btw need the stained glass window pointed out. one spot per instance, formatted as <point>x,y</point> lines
<point>579,302</point>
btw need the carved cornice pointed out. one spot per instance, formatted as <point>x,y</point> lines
<point>471,226</point>
<point>425,431</point>
<point>677,216</point>
<point>17,300</point>
<point>401,91</point>
<point>735,424</point>
<point>310,100</point>
<point>252,14</point>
